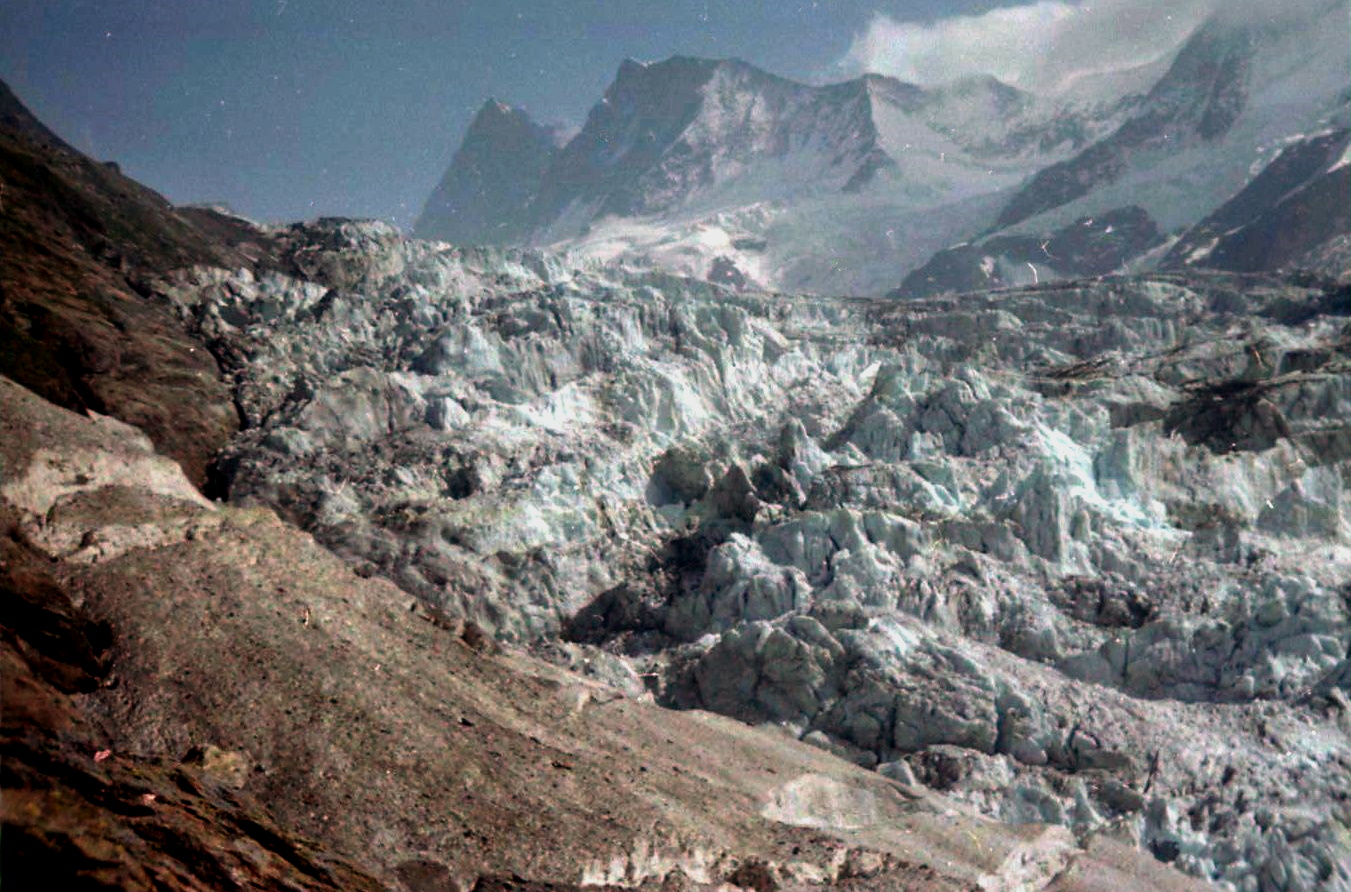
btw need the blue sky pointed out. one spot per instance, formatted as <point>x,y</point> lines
<point>293,108</point>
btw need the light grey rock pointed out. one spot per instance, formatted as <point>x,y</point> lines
<point>898,771</point>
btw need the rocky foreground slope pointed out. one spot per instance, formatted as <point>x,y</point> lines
<point>75,236</point>
<point>1074,555</point>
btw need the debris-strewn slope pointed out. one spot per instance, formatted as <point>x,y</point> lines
<point>80,810</point>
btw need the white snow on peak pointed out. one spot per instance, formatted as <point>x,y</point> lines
<point>845,188</point>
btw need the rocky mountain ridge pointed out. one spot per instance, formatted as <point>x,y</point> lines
<point>679,143</point>
<point>688,132</point>
<point>486,194</point>
<point>702,167</point>
<point>1293,206</point>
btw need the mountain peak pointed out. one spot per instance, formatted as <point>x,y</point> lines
<point>667,72</point>
<point>495,114</point>
<point>494,106</point>
<point>485,194</point>
<point>679,67</point>
<point>630,67</point>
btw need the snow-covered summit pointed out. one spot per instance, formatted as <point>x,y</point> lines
<point>716,167</point>
<point>713,152</point>
<point>1237,89</point>
<point>725,132</point>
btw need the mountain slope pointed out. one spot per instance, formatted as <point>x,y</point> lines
<point>1092,246</point>
<point>1298,202</point>
<point>696,163</point>
<point>77,239</point>
<point>486,193</point>
<point>1199,98</point>
<point>1236,87</point>
<point>1183,157</point>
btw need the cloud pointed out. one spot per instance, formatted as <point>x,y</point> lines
<point>1037,46</point>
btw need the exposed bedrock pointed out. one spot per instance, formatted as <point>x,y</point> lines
<point>1074,554</point>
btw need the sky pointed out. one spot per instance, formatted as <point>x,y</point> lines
<point>287,109</point>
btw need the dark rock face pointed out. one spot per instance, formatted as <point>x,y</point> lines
<point>1229,416</point>
<point>517,884</point>
<point>77,240</point>
<point>725,272</point>
<point>638,122</point>
<point>1298,203</point>
<point>486,195</point>
<point>1299,225</point>
<point>1091,246</point>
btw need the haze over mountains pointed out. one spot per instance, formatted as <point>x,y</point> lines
<point>716,167</point>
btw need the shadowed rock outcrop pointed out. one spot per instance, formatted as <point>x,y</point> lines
<point>76,241</point>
